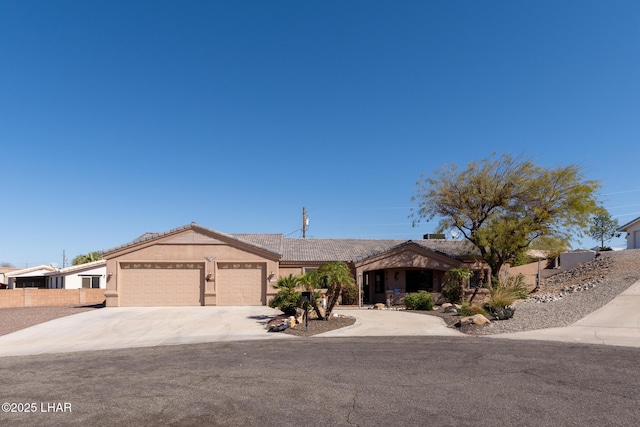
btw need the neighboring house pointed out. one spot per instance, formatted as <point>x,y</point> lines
<point>4,280</point>
<point>196,265</point>
<point>632,229</point>
<point>32,277</point>
<point>91,275</point>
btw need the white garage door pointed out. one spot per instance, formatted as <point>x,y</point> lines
<point>160,284</point>
<point>240,284</point>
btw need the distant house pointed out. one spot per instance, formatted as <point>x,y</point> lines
<point>632,229</point>
<point>32,277</point>
<point>91,275</point>
<point>4,281</point>
<point>196,265</point>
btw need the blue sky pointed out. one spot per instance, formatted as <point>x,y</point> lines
<point>122,117</point>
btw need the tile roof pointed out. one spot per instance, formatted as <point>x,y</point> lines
<point>273,242</point>
<point>358,249</point>
<point>320,250</point>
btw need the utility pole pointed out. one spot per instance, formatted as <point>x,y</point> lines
<point>64,259</point>
<point>305,222</point>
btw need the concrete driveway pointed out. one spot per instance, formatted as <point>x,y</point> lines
<point>128,327</point>
<point>617,323</point>
<point>391,323</point>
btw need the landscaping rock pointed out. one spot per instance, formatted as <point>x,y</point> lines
<point>476,319</point>
<point>503,313</point>
<point>451,309</point>
<point>379,306</point>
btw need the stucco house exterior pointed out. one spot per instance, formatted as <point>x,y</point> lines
<point>197,265</point>
<point>632,228</point>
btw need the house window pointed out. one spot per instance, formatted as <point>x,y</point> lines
<point>419,280</point>
<point>91,282</point>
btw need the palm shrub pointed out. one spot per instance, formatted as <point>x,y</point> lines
<point>418,301</point>
<point>338,277</point>
<point>288,297</point>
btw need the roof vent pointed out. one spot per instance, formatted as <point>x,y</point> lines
<point>433,236</point>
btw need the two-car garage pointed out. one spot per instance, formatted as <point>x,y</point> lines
<point>183,284</point>
<point>191,266</point>
<point>161,284</point>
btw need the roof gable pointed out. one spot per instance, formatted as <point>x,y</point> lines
<point>196,234</point>
<point>410,254</point>
<point>629,224</point>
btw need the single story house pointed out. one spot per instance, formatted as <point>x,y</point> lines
<point>196,265</point>
<point>92,275</point>
<point>89,275</point>
<point>632,228</point>
<point>4,281</point>
<point>31,277</point>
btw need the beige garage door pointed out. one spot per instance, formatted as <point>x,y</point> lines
<point>160,284</point>
<point>240,284</point>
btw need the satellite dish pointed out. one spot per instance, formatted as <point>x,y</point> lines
<point>454,234</point>
<point>54,264</point>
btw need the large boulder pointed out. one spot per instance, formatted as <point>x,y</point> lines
<point>476,319</point>
<point>379,306</point>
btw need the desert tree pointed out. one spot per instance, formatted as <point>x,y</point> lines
<point>603,228</point>
<point>502,204</point>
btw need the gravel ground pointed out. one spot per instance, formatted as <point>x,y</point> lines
<point>14,319</point>
<point>611,273</point>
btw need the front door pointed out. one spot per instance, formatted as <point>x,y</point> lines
<point>378,281</point>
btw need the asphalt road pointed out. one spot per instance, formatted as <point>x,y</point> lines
<point>373,381</point>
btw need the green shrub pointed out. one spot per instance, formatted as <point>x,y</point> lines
<point>469,310</point>
<point>453,290</point>
<point>349,294</point>
<point>452,294</point>
<point>418,301</point>
<point>288,298</point>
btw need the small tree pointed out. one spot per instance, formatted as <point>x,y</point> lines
<point>338,275</point>
<point>604,228</point>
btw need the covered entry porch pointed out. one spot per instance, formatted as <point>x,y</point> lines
<point>403,269</point>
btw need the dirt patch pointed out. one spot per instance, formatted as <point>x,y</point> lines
<point>314,326</point>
